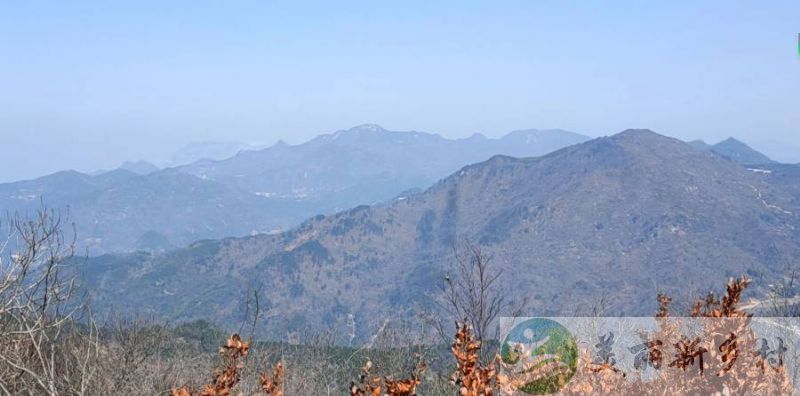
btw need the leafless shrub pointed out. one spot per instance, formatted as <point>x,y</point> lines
<point>131,347</point>
<point>783,299</point>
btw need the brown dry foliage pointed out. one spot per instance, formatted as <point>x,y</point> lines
<point>367,384</point>
<point>182,391</point>
<point>712,307</point>
<point>226,378</point>
<point>370,385</point>
<point>272,385</point>
<point>727,339</point>
<point>664,302</point>
<point>471,377</point>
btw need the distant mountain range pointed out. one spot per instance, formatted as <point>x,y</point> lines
<point>615,218</point>
<point>258,191</point>
<point>137,167</point>
<point>208,151</point>
<point>366,164</point>
<point>735,150</point>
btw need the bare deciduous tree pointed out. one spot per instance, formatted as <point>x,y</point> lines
<point>472,293</point>
<point>40,352</point>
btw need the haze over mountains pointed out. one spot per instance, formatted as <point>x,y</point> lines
<point>258,191</point>
<point>632,213</point>
<point>735,150</point>
<point>366,164</point>
<point>197,151</point>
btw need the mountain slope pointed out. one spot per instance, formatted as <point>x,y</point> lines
<point>699,144</point>
<point>735,150</point>
<point>259,191</point>
<point>629,213</point>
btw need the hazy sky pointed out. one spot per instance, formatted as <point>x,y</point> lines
<point>86,85</point>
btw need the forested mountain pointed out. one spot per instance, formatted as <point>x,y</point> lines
<point>632,213</point>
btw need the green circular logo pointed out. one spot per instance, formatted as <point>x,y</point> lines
<point>539,356</point>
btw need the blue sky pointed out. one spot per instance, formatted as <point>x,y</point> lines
<point>86,85</point>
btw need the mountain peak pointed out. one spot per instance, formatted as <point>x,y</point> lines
<point>645,137</point>
<point>368,128</point>
<point>138,167</point>
<point>638,134</point>
<point>355,132</point>
<point>732,141</point>
<point>740,152</point>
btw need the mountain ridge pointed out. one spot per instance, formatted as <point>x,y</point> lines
<point>626,213</point>
<point>255,191</point>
